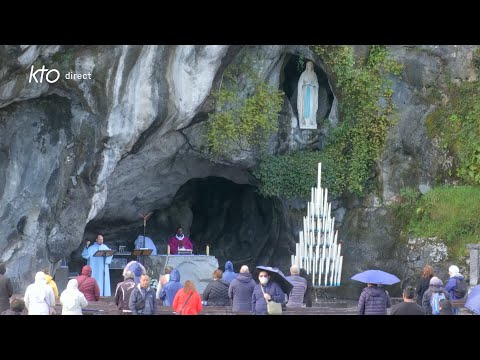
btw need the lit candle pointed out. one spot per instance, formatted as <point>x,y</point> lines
<point>340,271</point>
<point>319,176</point>
<point>168,249</point>
<point>327,263</point>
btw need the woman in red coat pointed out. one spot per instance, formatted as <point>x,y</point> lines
<point>187,301</point>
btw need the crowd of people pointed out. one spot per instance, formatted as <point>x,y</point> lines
<point>134,295</point>
<point>429,298</point>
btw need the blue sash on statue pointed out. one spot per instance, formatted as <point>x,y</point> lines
<point>306,105</point>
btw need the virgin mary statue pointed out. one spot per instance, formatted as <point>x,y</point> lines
<point>307,98</point>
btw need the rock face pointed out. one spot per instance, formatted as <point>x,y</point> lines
<point>82,156</point>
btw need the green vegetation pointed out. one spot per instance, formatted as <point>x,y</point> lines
<point>449,213</point>
<point>457,125</point>
<point>242,123</point>
<point>293,175</point>
<point>364,90</point>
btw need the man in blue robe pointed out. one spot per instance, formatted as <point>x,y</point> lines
<point>99,265</point>
<point>145,243</point>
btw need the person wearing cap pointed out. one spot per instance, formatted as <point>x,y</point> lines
<point>408,306</point>
<point>436,286</point>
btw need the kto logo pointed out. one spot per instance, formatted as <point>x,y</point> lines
<point>48,75</point>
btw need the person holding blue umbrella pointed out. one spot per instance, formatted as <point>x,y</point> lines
<point>374,300</point>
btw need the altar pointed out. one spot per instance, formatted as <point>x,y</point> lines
<point>197,268</point>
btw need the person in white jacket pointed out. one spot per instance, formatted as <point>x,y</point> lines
<point>39,297</point>
<point>72,299</point>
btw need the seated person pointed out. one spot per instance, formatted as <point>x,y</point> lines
<point>145,243</point>
<point>179,242</point>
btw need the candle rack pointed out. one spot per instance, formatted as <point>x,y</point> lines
<point>318,250</point>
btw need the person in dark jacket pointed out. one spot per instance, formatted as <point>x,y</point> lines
<point>6,289</point>
<point>216,292</point>
<point>272,290</point>
<point>424,282</point>
<point>124,290</point>
<point>229,274</point>
<point>408,306</point>
<point>436,286</point>
<point>170,289</point>
<point>143,293</point>
<point>308,298</point>
<point>241,290</point>
<point>446,307</point>
<point>373,301</point>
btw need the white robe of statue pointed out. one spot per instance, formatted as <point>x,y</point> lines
<point>307,98</point>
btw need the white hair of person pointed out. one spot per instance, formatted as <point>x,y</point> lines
<point>294,270</point>
<point>128,275</point>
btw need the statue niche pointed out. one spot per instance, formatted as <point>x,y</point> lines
<point>307,98</point>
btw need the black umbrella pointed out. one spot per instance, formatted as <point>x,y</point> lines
<point>278,276</point>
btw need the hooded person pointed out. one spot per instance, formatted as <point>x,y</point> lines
<point>39,298</point>
<point>49,280</point>
<point>452,282</point>
<point>137,268</point>
<point>144,242</point>
<point>72,299</point>
<point>436,292</point>
<point>170,289</point>
<point>456,279</point>
<point>88,285</point>
<point>228,274</point>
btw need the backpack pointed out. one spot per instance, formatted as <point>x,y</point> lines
<point>461,288</point>
<point>435,302</point>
